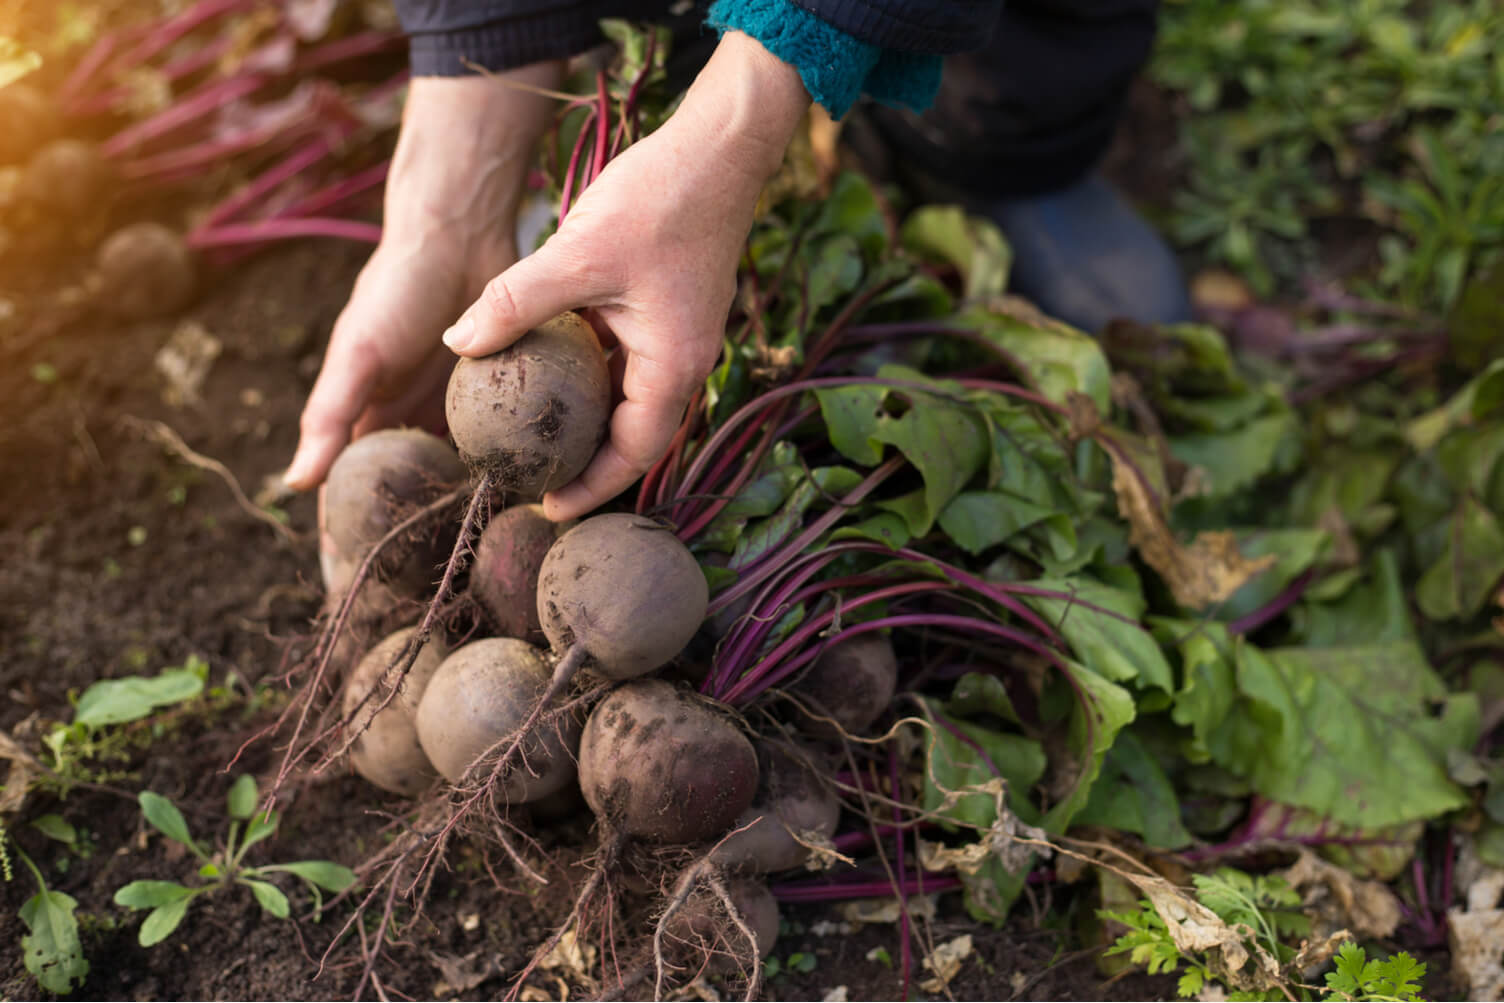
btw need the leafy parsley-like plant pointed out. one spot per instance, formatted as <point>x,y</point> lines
<point>169,901</point>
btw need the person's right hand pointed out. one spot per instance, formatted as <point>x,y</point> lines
<point>449,227</point>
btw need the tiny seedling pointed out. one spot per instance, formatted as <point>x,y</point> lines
<point>169,900</point>
<point>1357,978</point>
<point>50,947</point>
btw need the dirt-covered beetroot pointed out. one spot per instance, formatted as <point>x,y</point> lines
<point>482,694</point>
<point>662,764</point>
<point>701,925</point>
<point>626,590</point>
<point>144,270</point>
<point>26,122</point>
<point>508,557</point>
<point>852,682</point>
<point>67,176</point>
<point>533,414</point>
<point>377,481</point>
<point>791,802</point>
<point>387,752</point>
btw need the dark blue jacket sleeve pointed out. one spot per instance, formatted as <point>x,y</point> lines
<point>446,35</point>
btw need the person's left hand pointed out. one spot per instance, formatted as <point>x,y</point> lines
<point>651,248</point>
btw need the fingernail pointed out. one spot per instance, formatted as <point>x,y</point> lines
<point>461,334</point>
<point>296,472</point>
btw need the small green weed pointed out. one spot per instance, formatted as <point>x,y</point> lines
<point>1383,110</point>
<point>169,900</point>
<point>50,947</point>
<point>1266,909</point>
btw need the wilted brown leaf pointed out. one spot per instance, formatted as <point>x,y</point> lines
<point>1340,900</point>
<point>1209,570</point>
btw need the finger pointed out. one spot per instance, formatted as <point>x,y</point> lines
<point>420,404</point>
<point>540,286</point>
<point>339,396</point>
<point>642,426</point>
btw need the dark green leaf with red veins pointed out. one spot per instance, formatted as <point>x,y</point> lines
<point>759,498</point>
<point>1233,461</point>
<point>851,210</point>
<point>1357,734</point>
<point>1470,566</point>
<point>1101,626</point>
<point>1098,710</point>
<point>768,534</point>
<point>1058,359</point>
<point>886,528</point>
<point>1373,610</point>
<point>1135,795</point>
<point>972,245</point>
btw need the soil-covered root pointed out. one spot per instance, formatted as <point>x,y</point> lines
<point>67,177</point>
<point>665,765</point>
<point>794,810</point>
<point>480,697</point>
<point>714,923</point>
<point>143,271</point>
<point>504,576</point>
<point>532,415</point>
<point>852,682</point>
<point>377,481</point>
<point>386,750</point>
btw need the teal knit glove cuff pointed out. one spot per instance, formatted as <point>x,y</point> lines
<point>835,67</point>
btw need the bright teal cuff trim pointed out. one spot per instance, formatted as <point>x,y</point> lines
<point>835,67</point>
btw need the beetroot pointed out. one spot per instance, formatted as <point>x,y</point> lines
<point>853,682</point>
<point>26,122</point>
<point>662,764</point>
<point>144,271</point>
<point>791,802</point>
<point>482,694</point>
<point>701,926</point>
<point>67,177</point>
<point>532,415</point>
<point>377,481</point>
<point>508,558</point>
<point>623,588</point>
<point>387,752</point>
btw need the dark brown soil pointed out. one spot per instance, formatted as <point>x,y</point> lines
<point>119,558</point>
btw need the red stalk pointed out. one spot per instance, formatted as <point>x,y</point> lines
<point>172,72</point>
<point>268,181</point>
<point>174,29</point>
<point>567,192</point>
<point>99,54</point>
<point>199,104</point>
<point>240,234</point>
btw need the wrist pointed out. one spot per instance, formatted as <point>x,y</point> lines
<point>747,104</point>
<point>464,152</point>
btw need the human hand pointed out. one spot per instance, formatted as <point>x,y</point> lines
<point>651,247</point>
<point>449,226</point>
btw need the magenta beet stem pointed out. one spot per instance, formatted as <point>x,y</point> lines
<point>368,43</point>
<point>238,234</point>
<point>268,181</point>
<point>174,29</point>
<point>172,72</point>
<point>332,195</point>
<point>1274,607</point>
<point>836,891</point>
<point>202,102</point>
<point>98,54</point>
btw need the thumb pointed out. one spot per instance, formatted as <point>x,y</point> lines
<point>541,286</point>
